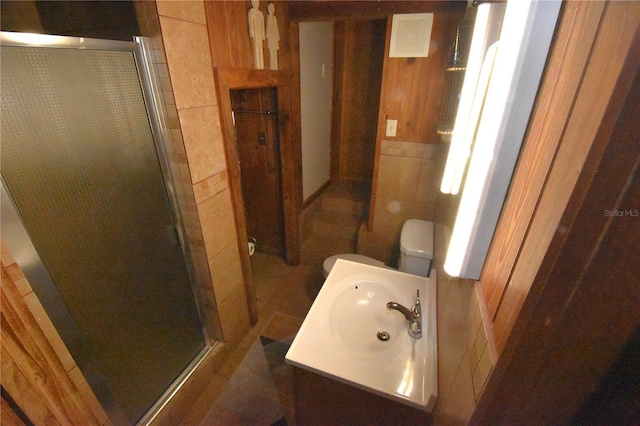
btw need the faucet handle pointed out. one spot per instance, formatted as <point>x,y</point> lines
<point>417,307</point>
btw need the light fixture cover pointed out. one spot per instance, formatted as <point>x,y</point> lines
<point>525,38</point>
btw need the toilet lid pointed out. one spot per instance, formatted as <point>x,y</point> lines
<point>330,261</point>
<point>416,238</point>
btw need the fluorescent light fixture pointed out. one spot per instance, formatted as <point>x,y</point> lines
<point>524,43</point>
<point>458,149</point>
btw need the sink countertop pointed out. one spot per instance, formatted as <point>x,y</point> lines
<point>338,338</point>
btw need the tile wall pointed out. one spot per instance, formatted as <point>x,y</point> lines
<point>197,160</point>
<point>464,353</point>
<point>196,154</point>
<point>407,186</point>
<point>481,347</point>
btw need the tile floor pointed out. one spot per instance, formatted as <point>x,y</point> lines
<point>285,291</point>
<point>282,290</point>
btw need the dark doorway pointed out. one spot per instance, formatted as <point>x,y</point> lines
<point>255,113</point>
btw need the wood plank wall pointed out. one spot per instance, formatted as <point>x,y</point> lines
<point>37,370</point>
<point>229,33</point>
<point>412,88</point>
<point>591,45</point>
<point>583,312</point>
<point>358,59</point>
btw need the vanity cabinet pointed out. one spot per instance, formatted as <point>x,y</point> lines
<point>323,401</point>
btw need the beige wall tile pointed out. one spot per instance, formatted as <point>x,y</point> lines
<point>383,247</point>
<point>428,182</point>
<point>189,60</point>
<point>419,210</point>
<point>209,187</point>
<point>186,10</point>
<point>460,402</point>
<point>404,149</point>
<point>398,177</point>
<point>444,286</point>
<point>478,383</point>
<point>234,316</point>
<point>485,364</point>
<point>226,271</point>
<point>473,357</point>
<point>390,215</point>
<point>217,221</point>
<point>203,141</point>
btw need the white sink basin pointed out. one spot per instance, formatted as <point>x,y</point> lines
<point>359,313</point>
<point>339,337</point>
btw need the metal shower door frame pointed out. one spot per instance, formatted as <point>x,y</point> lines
<point>19,242</point>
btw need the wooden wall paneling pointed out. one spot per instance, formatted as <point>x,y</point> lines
<point>231,45</point>
<point>295,111</point>
<point>22,392</point>
<point>229,33</point>
<point>584,305</point>
<point>284,55</point>
<point>445,28</point>
<point>619,25</point>
<point>340,9</point>
<point>412,91</point>
<point>377,39</point>
<point>361,52</point>
<point>221,55</point>
<point>412,87</point>
<point>39,376</point>
<point>291,161</point>
<point>563,75</point>
<point>238,32</point>
<point>8,415</point>
<point>382,117</point>
<point>336,103</point>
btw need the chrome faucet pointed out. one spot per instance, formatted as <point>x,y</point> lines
<point>413,316</point>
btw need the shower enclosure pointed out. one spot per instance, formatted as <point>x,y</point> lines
<point>89,213</point>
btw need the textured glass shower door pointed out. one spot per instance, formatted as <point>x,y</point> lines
<point>79,160</point>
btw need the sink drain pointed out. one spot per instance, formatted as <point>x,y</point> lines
<point>383,336</point>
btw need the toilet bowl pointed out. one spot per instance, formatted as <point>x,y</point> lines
<point>416,250</point>
<point>331,260</point>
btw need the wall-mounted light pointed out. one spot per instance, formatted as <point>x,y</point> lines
<point>525,37</point>
<point>459,148</point>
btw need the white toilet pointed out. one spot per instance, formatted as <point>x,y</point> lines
<point>416,250</point>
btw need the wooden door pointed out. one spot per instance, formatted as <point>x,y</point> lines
<point>256,131</point>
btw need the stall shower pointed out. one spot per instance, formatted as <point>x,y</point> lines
<point>86,178</point>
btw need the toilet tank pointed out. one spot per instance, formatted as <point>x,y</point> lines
<point>416,247</point>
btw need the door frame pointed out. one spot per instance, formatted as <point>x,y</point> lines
<point>228,79</point>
